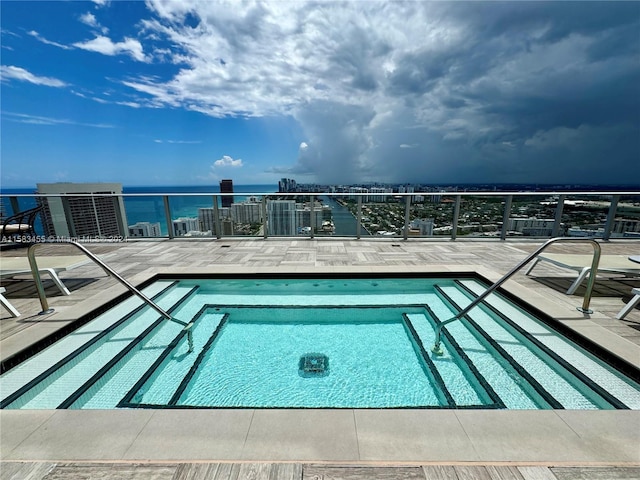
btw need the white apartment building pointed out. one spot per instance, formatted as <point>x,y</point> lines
<point>534,227</point>
<point>358,190</point>
<point>182,226</point>
<point>281,217</point>
<point>97,211</point>
<point>206,221</point>
<point>246,212</point>
<point>145,229</point>
<point>421,227</point>
<point>380,198</point>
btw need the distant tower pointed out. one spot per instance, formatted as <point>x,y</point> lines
<point>97,212</point>
<point>226,186</point>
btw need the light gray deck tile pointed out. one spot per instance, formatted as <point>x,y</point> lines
<point>596,473</point>
<point>81,471</point>
<point>523,435</point>
<point>293,434</point>
<point>192,434</point>
<point>412,435</point>
<point>536,473</point>
<point>18,425</point>
<point>440,472</point>
<point>611,435</point>
<point>323,472</point>
<point>25,470</point>
<point>504,473</point>
<point>82,435</point>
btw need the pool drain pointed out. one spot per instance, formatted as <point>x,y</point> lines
<point>313,365</point>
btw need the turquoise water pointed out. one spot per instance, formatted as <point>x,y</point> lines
<point>253,340</point>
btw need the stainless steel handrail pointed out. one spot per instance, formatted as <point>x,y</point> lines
<point>110,271</point>
<point>585,302</point>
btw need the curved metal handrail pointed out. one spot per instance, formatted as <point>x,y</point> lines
<point>110,271</point>
<point>585,302</point>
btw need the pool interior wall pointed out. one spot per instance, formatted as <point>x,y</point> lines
<point>407,320</point>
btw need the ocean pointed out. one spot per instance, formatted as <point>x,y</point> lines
<point>151,208</point>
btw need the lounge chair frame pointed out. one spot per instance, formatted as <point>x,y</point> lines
<point>21,226</point>
<point>615,264</point>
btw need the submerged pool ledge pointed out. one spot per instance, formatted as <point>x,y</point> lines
<point>556,437</point>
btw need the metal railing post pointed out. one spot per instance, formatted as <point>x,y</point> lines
<point>611,215</point>
<point>456,215</point>
<point>407,211</point>
<point>312,215</point>
<point>558,217</point>
<point>265,223</point>
<point>167,215</point>
<point>505,216</point>
<point>359,217</point>
<point>216,218</point>
<point>15,207</point>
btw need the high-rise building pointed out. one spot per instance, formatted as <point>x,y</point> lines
<point>206,220</point>
<point>97,210</point>
<point>246,212</point>
<point>226,186</point>
<point>281,216</point>
<point>182,226</point>
<point>144,229</point>
<point>287,185</point>
<point>380,198</point>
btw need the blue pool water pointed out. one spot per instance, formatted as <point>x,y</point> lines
<point>323,343</point>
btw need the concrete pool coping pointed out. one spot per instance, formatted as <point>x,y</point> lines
<point>349,435</point>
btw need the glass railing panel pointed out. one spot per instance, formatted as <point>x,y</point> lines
<point>383,215</point>
<point>480,216</point>
<point>626,223</point>
<point>430,215</point>
<point>531,216</point>
<point>145,216</point>
<point>193,215</point>
<point>601,216</point>
<point>585,215</point>
<point>344,215</point>
<point>281,217</point>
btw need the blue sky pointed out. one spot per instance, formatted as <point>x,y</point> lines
<point>189,92</point>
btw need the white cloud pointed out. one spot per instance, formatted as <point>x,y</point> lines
<point>227,161</point>
<point>106,46</point>
<point>40,38</point>
<point>40,120</point>
<point>17,73</point>
<point>182,142</point>
<point>89,19</point>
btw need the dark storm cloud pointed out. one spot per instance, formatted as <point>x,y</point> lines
<point>484,91</point>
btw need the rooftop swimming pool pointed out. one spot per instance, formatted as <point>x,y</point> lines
<point>316,343</point>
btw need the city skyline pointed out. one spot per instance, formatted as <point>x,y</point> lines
<point>190,93</point>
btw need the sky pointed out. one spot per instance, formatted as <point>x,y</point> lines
<point>189,92</point>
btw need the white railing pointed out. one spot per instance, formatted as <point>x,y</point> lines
<point>439,215</point>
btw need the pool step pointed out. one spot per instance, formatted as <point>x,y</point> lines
<point>457,378</point>
<point>584,365</point>
<point>534,365</point>
<point>41,363</point>
<point>108,390</point>
<point>176,364</point>
<point>81,365</point>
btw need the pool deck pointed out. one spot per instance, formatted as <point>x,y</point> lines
<point>317,443</point>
